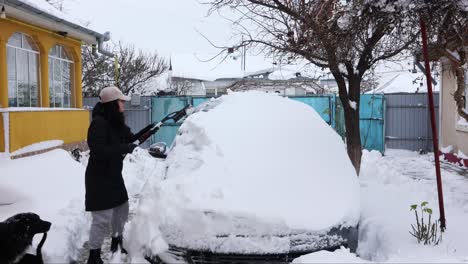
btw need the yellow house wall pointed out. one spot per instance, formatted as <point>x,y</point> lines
<point>27,128</point>
<point>45,40</point>
<point>450,135</point>
<point>2,134</point>
<point>3,70</point>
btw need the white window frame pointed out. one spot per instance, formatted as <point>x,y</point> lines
<point>28,51</point>
<point>62,90</point>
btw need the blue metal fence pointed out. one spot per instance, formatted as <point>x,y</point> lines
<point>323,105</point>
<point>327,106</point>
<point>372,121</point>
<point>163,106</point>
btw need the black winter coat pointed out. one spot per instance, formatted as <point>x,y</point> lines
<point>105,187</point>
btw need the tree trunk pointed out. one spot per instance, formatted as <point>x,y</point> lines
<point>353,137</point>
<point>351,114</point>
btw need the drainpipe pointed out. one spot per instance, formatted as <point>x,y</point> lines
<point>100,48</point>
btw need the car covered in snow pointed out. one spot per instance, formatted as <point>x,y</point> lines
<point>250,177</point>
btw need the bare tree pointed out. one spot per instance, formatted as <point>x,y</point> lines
<point>97,72</point>
<point>447,22</point>
<point>346,37</point>
<point>133,71</point>
<point>181,87</point>
<point>137,68</point>
<point>56,3</point>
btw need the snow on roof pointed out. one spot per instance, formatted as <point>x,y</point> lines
<point>196,66</point>
<point>45,15</point>
<point>260,72</point>
<point>398,77</point>
<point>290,71</point>
<point>403,82</point>
<point>47,8</point>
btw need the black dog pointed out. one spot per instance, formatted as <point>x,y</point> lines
<point>16,235</point>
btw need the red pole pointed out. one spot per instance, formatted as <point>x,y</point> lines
<point>435,139</point>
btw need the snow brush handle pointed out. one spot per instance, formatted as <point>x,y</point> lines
<point>148,134</point>
<point>176,116</point>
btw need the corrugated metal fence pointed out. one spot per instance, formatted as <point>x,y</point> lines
<point>387,121</point>
<point>408,121</point>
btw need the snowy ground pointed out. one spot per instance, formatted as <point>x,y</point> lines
<point>389,185</point>
<point>52,185</point>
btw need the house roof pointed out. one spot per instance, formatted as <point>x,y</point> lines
<point>43,14</point>
<point>180,78</point>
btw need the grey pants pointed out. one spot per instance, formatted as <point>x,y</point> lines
<point>115,217</point>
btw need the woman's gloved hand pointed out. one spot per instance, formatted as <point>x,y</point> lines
<point>130,147</point>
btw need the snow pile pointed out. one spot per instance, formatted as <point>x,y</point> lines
<point>255,158</point>
<point>38,146</point>
<point>52,186</point>
<point>342,255</point>
<point>389,185</point>
<point>282,139</point>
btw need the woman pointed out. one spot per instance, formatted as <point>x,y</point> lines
<point>109,140</point>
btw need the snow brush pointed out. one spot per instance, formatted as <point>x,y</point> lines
<point>175,116</point>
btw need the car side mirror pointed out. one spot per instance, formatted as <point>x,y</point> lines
<point>158,150</point>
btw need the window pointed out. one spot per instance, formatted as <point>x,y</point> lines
<point>60,77</point>
<point>23,71</point>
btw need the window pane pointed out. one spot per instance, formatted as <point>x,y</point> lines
<point>57,83</point>
<point>22,71</point>
<point>22,68</point>
<point>11,65</point>
<point>64,54</point>
<point>60,78</point>
<point>57,70</point>
<point>15,40</point>
<point>34,78</point>
<point>54,51</point>
<point>66,83</point>
<point>28,43</point>
<point>51,82</point>
<point>12,93</point>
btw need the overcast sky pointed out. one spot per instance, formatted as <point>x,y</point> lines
<point>168,27</point>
